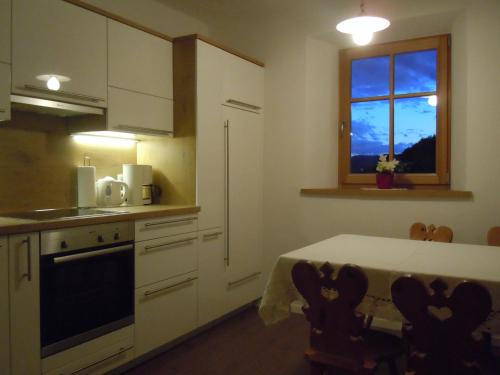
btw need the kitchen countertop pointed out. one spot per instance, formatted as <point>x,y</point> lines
<point>15,226</point>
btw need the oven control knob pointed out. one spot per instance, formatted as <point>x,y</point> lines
<point>100,238</point>
<point>64,245</point>
<point>117,236</point>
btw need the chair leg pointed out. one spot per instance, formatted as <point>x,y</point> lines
<point>393,370</point>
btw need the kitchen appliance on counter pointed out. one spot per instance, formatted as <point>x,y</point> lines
<point>86,283</point>
<point>139,178</point>
<point>110,192</point>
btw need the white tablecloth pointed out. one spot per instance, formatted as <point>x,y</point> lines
<point>384,260</point>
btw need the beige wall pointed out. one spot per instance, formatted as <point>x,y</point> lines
<point>38,166</point>
<point>301,129</point>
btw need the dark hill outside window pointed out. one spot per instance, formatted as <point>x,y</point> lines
<point>394,101</point>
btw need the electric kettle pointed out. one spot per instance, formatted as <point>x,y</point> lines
<point>110,192</point>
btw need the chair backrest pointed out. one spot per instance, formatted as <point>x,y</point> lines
<point>335,325</point>
<point>494,236</point>
<point>418,231</point>
<point>440,327</point>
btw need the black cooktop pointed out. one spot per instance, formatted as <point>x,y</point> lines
<point>54,214</point>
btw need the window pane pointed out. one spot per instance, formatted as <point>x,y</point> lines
<point>370,77</point>
<point>415,134</point>
<point>369,134</point>
<point>415,72</point>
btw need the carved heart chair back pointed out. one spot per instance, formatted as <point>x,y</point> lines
<point>418,231</point>
<point>440,328</point>
<point>337,334</point>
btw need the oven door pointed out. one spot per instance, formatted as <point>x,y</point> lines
<point>85,294</point>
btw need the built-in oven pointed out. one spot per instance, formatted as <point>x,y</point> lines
<point>86,283</point>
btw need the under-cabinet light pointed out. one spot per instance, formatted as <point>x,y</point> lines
<point>106,138</point>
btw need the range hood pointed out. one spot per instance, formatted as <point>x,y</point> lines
<point>52,107</point>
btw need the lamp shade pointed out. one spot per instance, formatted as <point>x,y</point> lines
<point>363,24</point>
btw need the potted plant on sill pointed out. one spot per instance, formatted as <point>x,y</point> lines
<point>385,172</point>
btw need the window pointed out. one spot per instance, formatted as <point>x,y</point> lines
<point>394,101</point>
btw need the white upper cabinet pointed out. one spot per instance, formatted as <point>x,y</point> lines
<point>55,38</point>
<point>243,83</point>
<point>140,81</point>
<point>5,31</point>
<point>4,92</point>
<point>139,61</point>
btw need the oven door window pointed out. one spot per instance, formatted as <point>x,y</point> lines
<point>84,296</point>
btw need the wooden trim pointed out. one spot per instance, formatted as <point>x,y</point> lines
<point>441,44</point>
<point>221,46</point>
<point>388,193</point>
<point>118,18</point>
<point>32,226</point>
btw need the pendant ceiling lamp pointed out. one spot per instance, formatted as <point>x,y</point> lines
<point>362,27</point>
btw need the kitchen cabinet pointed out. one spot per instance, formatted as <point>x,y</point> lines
<point>53,37</point>
<point>140,81</point>
<point>165,311</point>
<point>4,92</point>
<point>244,204</point>
<point>166,280</point>
<point>4,308</point>
<point>5,11</point>
<point>24,304</point>
<point>212,296</point>
<point>229,140</point>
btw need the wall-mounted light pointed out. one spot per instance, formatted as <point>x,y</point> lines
<point>53,81</point>
<point>106,139</point>
<point>362,27</point>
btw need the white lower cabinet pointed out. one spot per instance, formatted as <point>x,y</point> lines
<point>165,311</point>
<point>4,308</point>
<point>212,286</point>
<point>24,292</point>
<point>94,357</point>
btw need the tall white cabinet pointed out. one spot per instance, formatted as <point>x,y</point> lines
<point>5,10</point>
<point>223,94</point>
<point>4,308</point>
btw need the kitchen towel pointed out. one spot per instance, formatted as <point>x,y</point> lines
<point>86,187</point>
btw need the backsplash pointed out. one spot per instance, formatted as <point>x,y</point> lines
<point>38,161</point>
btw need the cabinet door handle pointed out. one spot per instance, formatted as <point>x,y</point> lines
<point>211,235</point>
<point>138,129</point>
<point>243,104</point>
<point>28,274</point>
<point>179,221</point>
<point>226,188</point>
<point>149,293</point>
<point>153,247</point>
<point>243,279</point>
<point>66,94</point>
<point>2,110</point>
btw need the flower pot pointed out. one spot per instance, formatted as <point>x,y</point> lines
<point>385,180</point>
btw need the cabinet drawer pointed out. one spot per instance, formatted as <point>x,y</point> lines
<point>165,311</point>
<point>164,258</point>
<point>165,226</point>
<point>139,113</point>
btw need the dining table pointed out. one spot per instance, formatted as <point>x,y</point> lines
<point>384,260</point>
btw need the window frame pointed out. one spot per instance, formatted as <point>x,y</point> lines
<point>440,179</point>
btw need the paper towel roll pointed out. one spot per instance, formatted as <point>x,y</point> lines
<point>86,187</point>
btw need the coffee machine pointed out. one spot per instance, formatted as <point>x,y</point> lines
<point>139,178</point>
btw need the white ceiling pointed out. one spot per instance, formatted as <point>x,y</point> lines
<point>409,17</point>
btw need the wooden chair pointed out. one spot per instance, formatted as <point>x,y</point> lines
<point>338,339</point>
<point>494,236</point>
<point>418,231</point>
<point>440,328</point>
